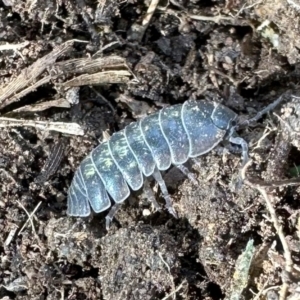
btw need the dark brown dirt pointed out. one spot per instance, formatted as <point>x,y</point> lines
<point>245,56</point>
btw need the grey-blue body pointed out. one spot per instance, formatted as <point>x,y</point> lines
<point>154,143</point>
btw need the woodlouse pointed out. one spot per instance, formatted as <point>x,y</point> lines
<point>146,147</point>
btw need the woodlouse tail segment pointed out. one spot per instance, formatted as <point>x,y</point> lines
<point>77,203</point>
<point>157,176</point>
<point>93,186</point>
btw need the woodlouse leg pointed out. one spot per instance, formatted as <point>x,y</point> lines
<point>191,176</point>
<point>157,176</point>
<point>149,194</point>
<point>111,215</point>
<point>196,162</point>
<point>244,145</point>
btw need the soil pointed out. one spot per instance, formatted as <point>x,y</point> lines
<point>103,64</point>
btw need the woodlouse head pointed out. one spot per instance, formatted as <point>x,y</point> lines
<point>223,117</point>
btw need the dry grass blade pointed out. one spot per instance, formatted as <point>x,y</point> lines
<point>27,90</point>
<point>69,128</point>
<point>53,162</point>
<point>106,77</point>
<point>43,106</point>
<point>30,74</point>
<point>111,69</point>
<point>88,65</point>
<point>215,19</point>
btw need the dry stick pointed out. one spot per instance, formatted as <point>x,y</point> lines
<point>29,76</point>
<point>11,235</point>
<point>278,227</point>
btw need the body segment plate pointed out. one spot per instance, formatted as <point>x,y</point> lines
<point>108,171</point>
<point>156,141</point>
<point>78,205</point>
<point>139,148</point>
<point>125,160</point>
<point>171,124</point>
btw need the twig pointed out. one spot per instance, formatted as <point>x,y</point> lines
<point>61,102</point>
<point>30,74</point>
<point>286,251</point>
<point>29,79</point>
<point>16,97</point>
<point>52,162</point>
<point>266,133</point>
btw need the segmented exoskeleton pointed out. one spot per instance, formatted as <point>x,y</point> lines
<point>146,147</point>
